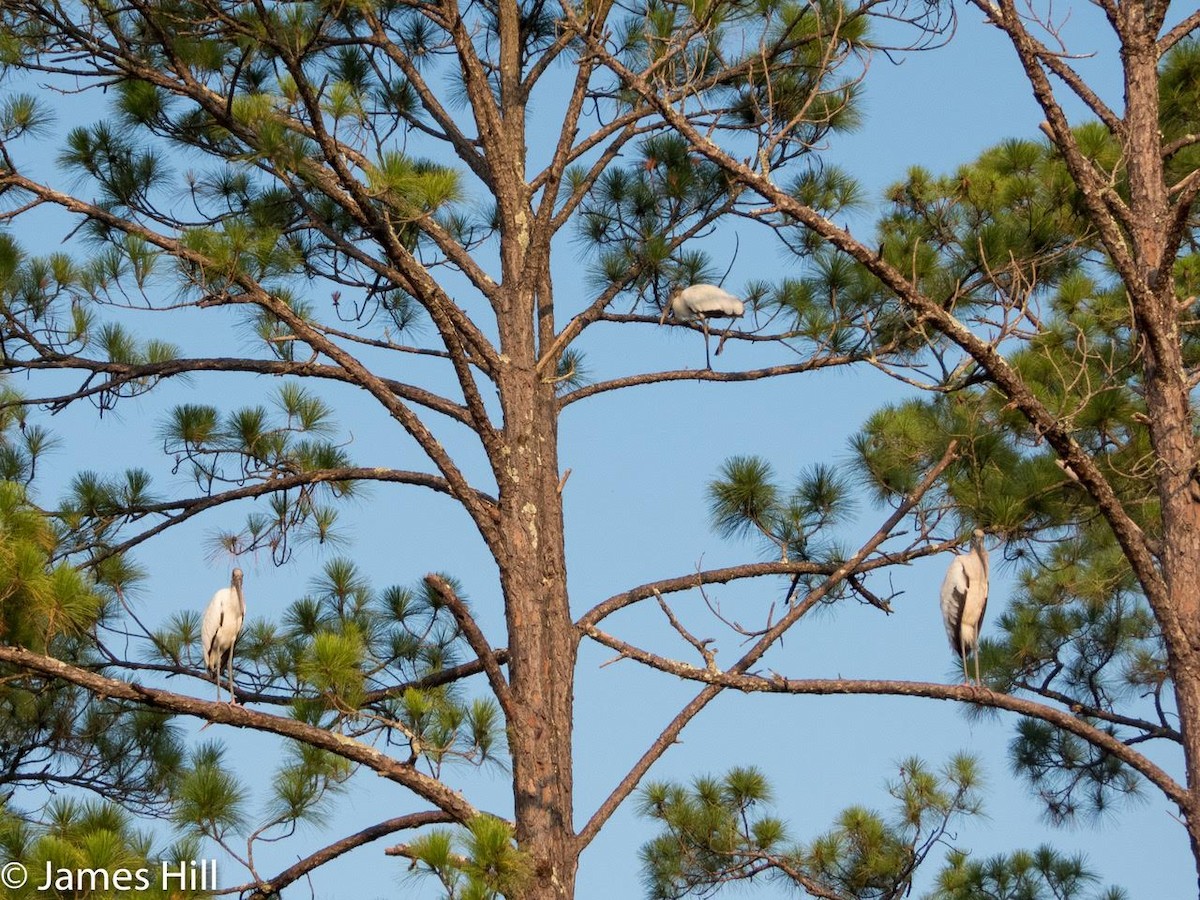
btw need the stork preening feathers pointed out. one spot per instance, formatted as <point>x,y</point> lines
<point>219,630</point>
<point>964,601</point>
<point>703,302</point>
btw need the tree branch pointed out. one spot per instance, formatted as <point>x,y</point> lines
<point>430,789</point>
<point>124,373</point>
<point>1178,33</point>
<point>1150,729</point>
<point>267,890</point>
<point>616,384</point>
<point>968,693</point>
<point>186,509</point>
<point>1008,381</point>
<point>768,638</point>
<point>479,643</point>
<point>617,602</point>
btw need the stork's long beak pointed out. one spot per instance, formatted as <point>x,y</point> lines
<point>666,310</point>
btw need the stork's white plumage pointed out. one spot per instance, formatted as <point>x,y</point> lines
<point>220,627</point>
<point>964,601</point>
<point>703,302</point>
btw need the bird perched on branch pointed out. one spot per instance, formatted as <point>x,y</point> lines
<point>219,630</point>
<point>703,302</point>
<point>964,601</point>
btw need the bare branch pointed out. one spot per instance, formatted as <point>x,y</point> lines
<point>1179,32</point>
<point>617,602</point>
<point>125,373</point>
<point>178,511</point>
<point>973,694</point>
<point>475,637</point>
<point>268,889</point>
<point>616,384</point>
<point>769,637</point>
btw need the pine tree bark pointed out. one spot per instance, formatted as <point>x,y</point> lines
<point>542,641</point>
<point>1166,385</point>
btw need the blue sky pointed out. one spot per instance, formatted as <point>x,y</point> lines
<point>636,511</point>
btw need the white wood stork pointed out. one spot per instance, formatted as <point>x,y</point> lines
<point>964,601</point>
<point>219,630</point>
<point>703,302</point>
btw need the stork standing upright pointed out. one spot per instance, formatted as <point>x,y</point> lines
<point>703,302</point>
<point>219,630</point>
<point>964,601</point>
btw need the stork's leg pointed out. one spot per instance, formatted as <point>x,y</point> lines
<point>724,335</point>
<point>962,649</point>
<point>232,696</point>
<point>978,680</point>
<point>707,358</point>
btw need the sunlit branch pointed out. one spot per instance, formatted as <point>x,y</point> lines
<point>476,81</point>
<point>1056,64</point>
<point>436,679</point>
<point>750,337</point>
<point>617,602</point>
<point>245,695</point>
<point>966,693</point>
<point>612,150</point>
<point>599,18</point>
<point>551,177</point>
<point>1107,207</point>
<point>615,384</point>
<point>464,147</point>
<point>1150,729</point>
<point>178,511</point>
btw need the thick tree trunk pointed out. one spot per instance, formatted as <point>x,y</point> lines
<point>542,641</point>
<point>1167,391</point>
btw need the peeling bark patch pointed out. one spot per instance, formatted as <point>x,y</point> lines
<point>522,223</point>
<point>529,511</point>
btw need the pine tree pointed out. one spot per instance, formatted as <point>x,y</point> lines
<point>353,185</point>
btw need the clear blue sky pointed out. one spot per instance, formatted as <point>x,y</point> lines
<point>636,511</point>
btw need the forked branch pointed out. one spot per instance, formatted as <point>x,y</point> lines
<point>714,686</point>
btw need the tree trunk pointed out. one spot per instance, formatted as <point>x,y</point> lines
<point>1166,387</point>
<point>542,640</point>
